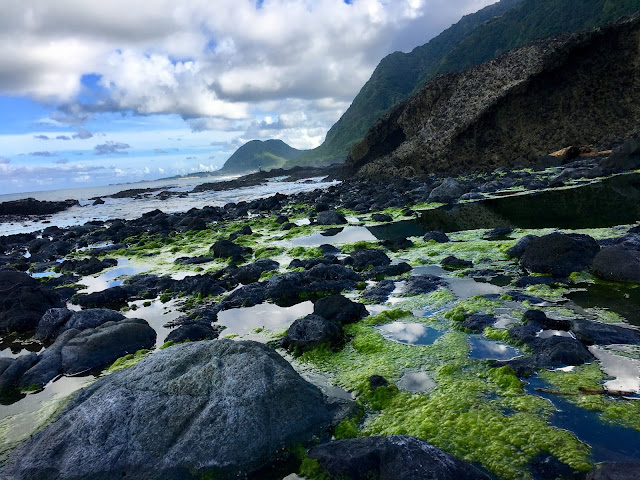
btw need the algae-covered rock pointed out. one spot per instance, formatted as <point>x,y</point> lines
<point>559,254</point>
<point>218,407</point>
<point>618,264</point>
<point>311,331</point>
<point>391,458</point>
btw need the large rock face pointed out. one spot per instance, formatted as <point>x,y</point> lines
<point>219,407</point>
<point>568,90</point>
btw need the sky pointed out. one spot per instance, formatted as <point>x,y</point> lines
<point>95,93</point>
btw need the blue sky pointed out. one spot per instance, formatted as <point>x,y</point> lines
<point>93,94</point>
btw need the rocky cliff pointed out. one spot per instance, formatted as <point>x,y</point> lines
<point>571,89</point>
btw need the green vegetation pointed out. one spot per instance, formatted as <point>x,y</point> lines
<point>127,361</point>
<point>256,155</point>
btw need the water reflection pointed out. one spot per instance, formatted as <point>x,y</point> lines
<point>410,333</point>
<point>419,382</point>
<point>624,370</point>
<point>340,235</point>
<point>111,278</point>
<point>485,349</point>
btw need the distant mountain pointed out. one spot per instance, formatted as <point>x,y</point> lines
<point>256,155</point>
<point>578,89</point>
<point>476,38</point>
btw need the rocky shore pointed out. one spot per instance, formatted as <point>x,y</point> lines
<point>437,340</point>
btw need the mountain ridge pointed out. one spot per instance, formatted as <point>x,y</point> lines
<point>260,155</point>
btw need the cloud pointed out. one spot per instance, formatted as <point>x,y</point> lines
<point>41,154</point>
<point>83,134</point>
<point>213,63</point>
<point>63,137</point>
<point>111,148</point>
<point>159,150</point>
<point>41,137</point>
<point>61,161</point>
<point>5,161</point>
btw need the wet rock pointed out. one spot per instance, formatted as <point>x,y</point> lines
<point>615,471</point>
<point>548,467</point>
<point>31,206</point>
<point>282,219</point>
<point>339,309</point>
<point>539,317</point>
<point>478,322</point>
<point>311,331</point>
<point>57,320</point>
<point>391,458</point>
<point>193,260</point>
<point>518,249</point>
<point>617,264</point>
<point>328,249</point>
<point>454,263</point>
<point>246,230</point>
<point>114,297</point>
<point>498,233</point>
<point>376,381</point>
<point>193,332</point>
<point>366,258</point>
<point>98,201</point>
<point>559,254</point>
<point>205,407</point>
<point>380,292</point>
<point>523,297</point>
<point>397,243</point>
<point>388,270</point>
<point>527,281</point>
<point>437,237</point>
<point>53,251</point>
<point>330,218</point>
<point>417,284</point>
<point>13,369</point>
<point>448,191</point>
<point>381,217</point>
<point>23,301</point>
<point>87,266</point>
<point>228,249</point>
<point>597,333</point>
<point>251,273</point>
<point>312,262</point>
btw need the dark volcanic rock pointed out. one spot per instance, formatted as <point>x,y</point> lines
<point>367,257</point>
<point>518,249</point>
<point>597,333</point>
<point>618,264</point>
<point>437,237</point>
<point>387,270</point>
<point>193,332</point>
<point>478,322</point>
<point>57,320</point>
<point>417,284</point>
<point>31,206</point>
<point>330,218</point>
<point>391,458</point>
<point>448,191</point>
<point>311,331</point>
<point>380,293</point>
<point>452,263</point>
<point>114,297</point>
<point>339,309</point>
<point>251,273</point>
<point>615,471</point>
<point>87,266</point>
<point>559,254</point>
<point>23,300</point>
<point>491,114</point>
<point>228,249</point>
<point>205,407</point>
<point>498,233</point>
<point>381,217</point>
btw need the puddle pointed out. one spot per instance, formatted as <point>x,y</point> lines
<point>623,299</point>
<point>335,236</point>
<point>19,420</point>
<point>47,274</point>
<point>462,288</point>
<point>111,278</point>
<point>419,382</point>
<point>13,347</point>
<point>323,382</point>
<point>245,321</point>
<point>485,349</point>
<point>625,371</point>
<point>614,201</point>
<point>156,315</point>
<point>410,333</point>
<point>608,442</point>
<point>554,333</point>
<point>403,228</point>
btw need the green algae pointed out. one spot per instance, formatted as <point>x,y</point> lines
<point>470,306</point>
<point>127,361</point>
<point>434,300</point>
<point>614,411</point>
<point>360,245</point>
<point>305,252</point>
<point>546,292</point>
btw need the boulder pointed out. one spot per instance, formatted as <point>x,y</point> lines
<point>454,263</point>
<point>23,301</point>
<point>339,309</point>
<point>597,333</point>
<point>251,273</point>
<point>518,249</point>
<point>437,237</point>
<point>391,458</point>
<point>381,217</point>
<point>57,320</point>
<point>559,254</point>
<point>311,331</point>
<point>366,258</point>
<point>380,292</point>
<point>330,218</point>
<point>477,322</point>
<point>193,332</point>
<point>206,408</point>
<point>228,249</point>
<point>418,284</point>
<point>448,191</point>
<point>617,264</point>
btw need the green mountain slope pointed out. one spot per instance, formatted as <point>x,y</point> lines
<point>256,155</point>
<point>475,39</point>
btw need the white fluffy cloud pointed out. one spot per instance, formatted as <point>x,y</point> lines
<point>221,65</point>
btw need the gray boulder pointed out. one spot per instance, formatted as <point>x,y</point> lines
<point>311,331</point>
<point>391,458</point>
<point>598,333</point>
<point>618,264</point>
<point>448,191</point>
<point>518,249</point>
<point>339,309</point>
<point>330,218</point>
<point>57,320</point>
<point>219,408</point>
<point>559,254</point>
